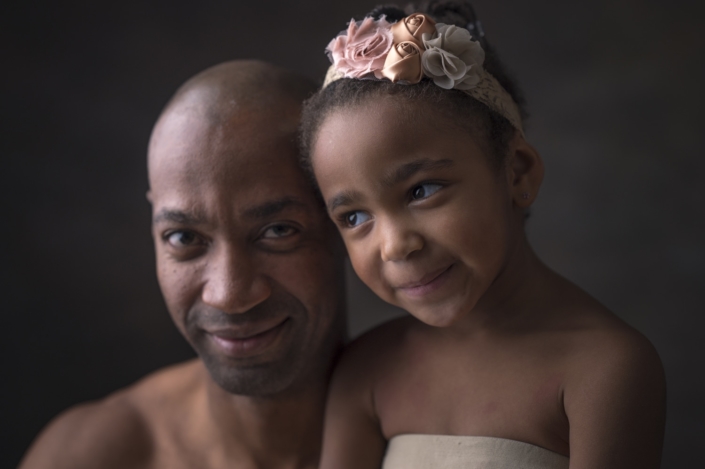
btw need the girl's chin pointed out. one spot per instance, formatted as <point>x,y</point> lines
<point>439,316</point>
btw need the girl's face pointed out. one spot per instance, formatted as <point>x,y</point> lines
<point>428,223</point>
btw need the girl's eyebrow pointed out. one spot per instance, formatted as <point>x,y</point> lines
<point>405,171</point>
<point>342,198</point>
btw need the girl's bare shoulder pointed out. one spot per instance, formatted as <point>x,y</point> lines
<point>602,347</point>
<point>614,388</point>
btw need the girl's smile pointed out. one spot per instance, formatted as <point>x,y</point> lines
<point>427,220</point>
<point>428,284</point>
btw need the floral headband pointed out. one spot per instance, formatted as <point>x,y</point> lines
<point>412,48</point>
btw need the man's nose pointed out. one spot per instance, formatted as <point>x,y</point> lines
<point>234,284</point>
<point>399,240</point>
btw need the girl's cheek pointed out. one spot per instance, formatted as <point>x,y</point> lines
<point>366,268</point>
<point>361,265</point>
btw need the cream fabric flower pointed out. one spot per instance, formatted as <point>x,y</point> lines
<point>452,59</point>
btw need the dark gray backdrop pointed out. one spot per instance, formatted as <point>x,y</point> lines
<point>615,93</point>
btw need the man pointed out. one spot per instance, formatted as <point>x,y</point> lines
<point>252,274</point>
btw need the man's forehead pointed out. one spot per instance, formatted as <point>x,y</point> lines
<point>189,143</point>
<point>253,167</point>
<point>188,124</point>
<point>247,184</point>
<point>214,106</point>
<point>181,213</point>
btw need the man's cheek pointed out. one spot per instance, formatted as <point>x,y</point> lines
<point>311,273</point>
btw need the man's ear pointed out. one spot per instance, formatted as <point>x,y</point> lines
<point>524,172</point>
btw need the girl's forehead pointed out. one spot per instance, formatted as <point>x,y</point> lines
<point>396,108</point>
<point>374,148</point>
<point>390,130</point>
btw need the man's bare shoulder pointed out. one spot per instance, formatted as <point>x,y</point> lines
<point>117,431</point>
<point>375,352</point>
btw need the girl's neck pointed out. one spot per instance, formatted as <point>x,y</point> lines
<point>518,296</point>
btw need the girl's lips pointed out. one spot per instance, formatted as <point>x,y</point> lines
<point>428,283</point>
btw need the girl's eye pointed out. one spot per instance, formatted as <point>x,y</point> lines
<point>424,190</point>
<point>356,218</point>
<point>182,239</point>
<point>278,231</point>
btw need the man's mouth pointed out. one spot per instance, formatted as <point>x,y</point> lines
<point>247,340</point>
<point>426,284</point>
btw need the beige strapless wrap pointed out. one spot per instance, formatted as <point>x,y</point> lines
<point>467,452</point>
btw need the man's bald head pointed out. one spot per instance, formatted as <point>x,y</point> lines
<point>242,85</point>
<point>234,97</point>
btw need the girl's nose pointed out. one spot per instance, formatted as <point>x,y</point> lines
<point>399,242</point>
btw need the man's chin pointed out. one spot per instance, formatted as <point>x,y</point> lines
<point>256,380</point>
<point>259,366</point>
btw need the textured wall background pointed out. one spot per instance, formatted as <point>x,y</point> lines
<point>615,92</point>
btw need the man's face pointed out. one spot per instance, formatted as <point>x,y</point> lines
<point>250,267</point>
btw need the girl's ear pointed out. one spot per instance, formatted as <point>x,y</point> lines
<point>524,172</point>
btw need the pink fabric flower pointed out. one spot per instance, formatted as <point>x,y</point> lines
<point>362,49</point>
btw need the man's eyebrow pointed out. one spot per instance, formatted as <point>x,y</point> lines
<point>177,216</point>
<point>405,171</point>
<point>269,209</point>
<point>342,198</point>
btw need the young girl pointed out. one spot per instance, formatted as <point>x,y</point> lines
<point>417,145</point>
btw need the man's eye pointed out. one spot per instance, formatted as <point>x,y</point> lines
<point>279,231</point>
<point>424,190</point>
<point>356,218</point>
<point>182,239</point>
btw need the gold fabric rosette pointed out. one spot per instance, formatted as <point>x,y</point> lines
<point>412,28</point>
<point>403,62</point>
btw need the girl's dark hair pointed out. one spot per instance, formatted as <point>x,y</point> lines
<point>470,113</point>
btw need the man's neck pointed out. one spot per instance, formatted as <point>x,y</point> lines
<point>279,431</point>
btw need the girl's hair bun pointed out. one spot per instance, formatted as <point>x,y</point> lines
<point>456,12</point>
<point>392,12</point>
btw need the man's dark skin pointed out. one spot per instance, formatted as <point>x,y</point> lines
<point>252,274</point>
